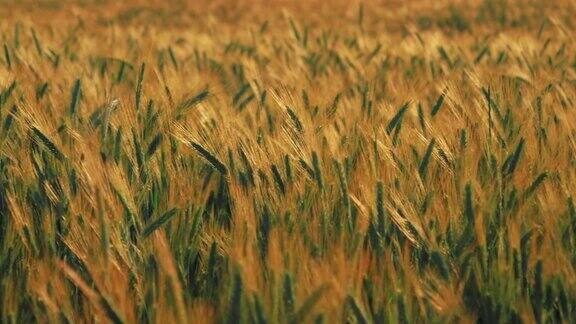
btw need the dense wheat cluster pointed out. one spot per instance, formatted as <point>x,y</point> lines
<point>285,162</point>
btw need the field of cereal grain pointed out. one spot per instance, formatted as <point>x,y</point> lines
<point>286,161</point>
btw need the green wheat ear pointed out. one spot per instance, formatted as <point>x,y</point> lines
<point>153,146</point>
<point>402,311</point>
<point>438,103</point>
<point>295,120</point>
<point>6,94</point>
<point>191,102</point>
<point>36,42</point>
<point>7,57</point>
<point>397,119</point>
<point>288,168</point>
<point>288,294</point>
<point>263,234</point>
<point>512,160</point>
<point>469,205</point>
<point>261,317</point>
<point>156,224</point>
<point>423,169</point>
<point>536,183</point>
<point>75,99</point>
<point>48,144</point>
<point>343,187</point>
<point>357,311</point>
<point>278,179</point>
<point>380,211</point>
<point>212,159</point>
<point>317,171</point>
<point>235,309</point>
<point>139,85</point>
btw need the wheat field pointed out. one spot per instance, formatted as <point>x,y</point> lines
<point>288,161</point>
